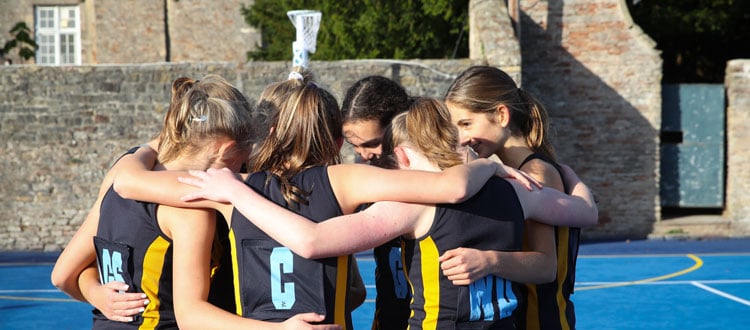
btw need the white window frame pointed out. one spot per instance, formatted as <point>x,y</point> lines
<point>50,33</point>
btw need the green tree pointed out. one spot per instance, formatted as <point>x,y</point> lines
<point>696,37</point>
<point>365,28</point>
<point>21,40</point>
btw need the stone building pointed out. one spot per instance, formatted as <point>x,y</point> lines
<point>90,32</point>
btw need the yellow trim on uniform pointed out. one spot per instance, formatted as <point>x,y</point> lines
<point>342,287</point>
<point>153,264</point>
<point>563,242</point>
<point>408,280</point>
<point>532,308</point>
<point>532,305</point>
<point>532,300</point>
<point>235,273</point>
<point>430,282</point>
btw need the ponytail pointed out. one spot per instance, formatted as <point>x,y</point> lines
<point>481,89</point>
<point>203,110</point>
<point>537,125</point>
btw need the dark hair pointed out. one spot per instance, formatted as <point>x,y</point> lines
<point>374,98</point>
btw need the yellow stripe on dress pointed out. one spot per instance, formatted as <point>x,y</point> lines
<point>430,282</point>
<point>408,280</point>
<point>153,264</point>
<point>342,287</point>
<point>563,237</point>
<point>235,273</point>
<point>532,308</point>
<point>532,300</point>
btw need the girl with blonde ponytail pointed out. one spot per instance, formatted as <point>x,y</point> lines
<point>150,266</point>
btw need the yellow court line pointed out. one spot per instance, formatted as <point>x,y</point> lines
<point>38,299</point>
<point>698,264</point>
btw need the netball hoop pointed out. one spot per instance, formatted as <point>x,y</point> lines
<point>306,23</point>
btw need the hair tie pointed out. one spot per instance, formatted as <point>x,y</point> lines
<point>294,75</point>
<point>200,118</point>
<point>521,93</point>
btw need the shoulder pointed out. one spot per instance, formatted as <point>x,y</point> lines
<point>544,171</point>
<point>345,173</point>
<point>185,217</point>
<point>109,177</point>
<point>343,169</point>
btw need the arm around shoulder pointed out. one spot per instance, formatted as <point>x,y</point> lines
<point>582,191</point>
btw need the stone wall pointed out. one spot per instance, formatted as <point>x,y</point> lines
<point>215,32</point>
<point>737,84</point>
<point>493,38</point>
<point>128,31</point>
<point>599,76</point>
<point>62,127</point>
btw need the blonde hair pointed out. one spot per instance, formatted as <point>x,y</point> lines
<point>306,132</point>
<point>481,89</point>
<point>426,125</point>
<point>201,111</point>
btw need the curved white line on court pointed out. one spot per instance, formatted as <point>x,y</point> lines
<point>38,299</point>
<point>698,264</point>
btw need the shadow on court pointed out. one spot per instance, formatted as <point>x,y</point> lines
<point>650,284</point>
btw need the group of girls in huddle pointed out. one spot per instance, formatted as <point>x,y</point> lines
<point>178,237</point>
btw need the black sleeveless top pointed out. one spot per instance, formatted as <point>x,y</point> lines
<point>492,219</point>
<point>393,290</point>
<point>131,248</point>
<point>271,282</point>
<point>548,305</point>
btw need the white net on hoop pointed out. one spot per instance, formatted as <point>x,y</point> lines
<point>307,23</point>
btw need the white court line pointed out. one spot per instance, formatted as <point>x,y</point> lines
<point>742,281</point>
<point>29,291</point>
<point>721,293</point>
<point>659,255</point>
<point>24,264</point>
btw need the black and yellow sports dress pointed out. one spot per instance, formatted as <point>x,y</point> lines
<point>131,248</point>
<point>393,291</point>
<point>272,283</point>
<point>548,305</point>
<point>491,220</point>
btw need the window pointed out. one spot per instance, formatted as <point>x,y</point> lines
<point>58,34</point>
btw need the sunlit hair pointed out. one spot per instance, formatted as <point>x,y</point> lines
<point>274,94</point>
<point>481,89</point>
<point>374,98</point>
<point>306,132</point>
<point>201,111</point>
<point>425,126</point>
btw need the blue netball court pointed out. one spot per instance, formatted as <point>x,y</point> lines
<point>651,284</point>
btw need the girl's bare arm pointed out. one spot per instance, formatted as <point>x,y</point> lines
<point>136,180</point>
<point>376,225</point>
